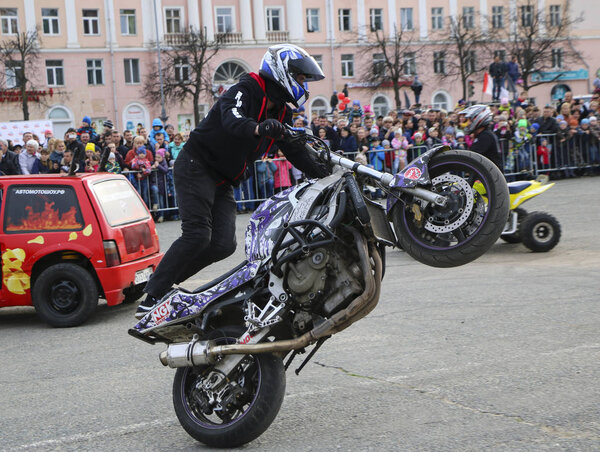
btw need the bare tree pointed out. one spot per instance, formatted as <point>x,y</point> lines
<point>540,41</point>
<point>392,60</point>
<point>186,70</point>
<point>459,60</point>
<point>19,55</point>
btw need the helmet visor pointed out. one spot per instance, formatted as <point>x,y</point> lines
<point>307,66</point>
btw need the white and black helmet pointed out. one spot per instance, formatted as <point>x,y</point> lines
<point>480,116</point>
<point>282,63</point>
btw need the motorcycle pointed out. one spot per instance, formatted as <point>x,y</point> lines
<point>315,258</point>
<point>538,231</point>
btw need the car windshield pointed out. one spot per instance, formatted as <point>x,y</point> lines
<point>119,202</point>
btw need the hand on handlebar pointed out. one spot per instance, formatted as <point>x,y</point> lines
<point>271,128</point>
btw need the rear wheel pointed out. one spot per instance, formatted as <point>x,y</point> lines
<point>241,409</point>
<point>65,295</point>
<point>468,225</point>
<point>540,231</point>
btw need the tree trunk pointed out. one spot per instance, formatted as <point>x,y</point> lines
<point>195,99</point>
<point>397,95</point>
<point>24,101</point>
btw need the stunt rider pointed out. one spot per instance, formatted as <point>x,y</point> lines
<point>241,127</point>
<point>479,118</point>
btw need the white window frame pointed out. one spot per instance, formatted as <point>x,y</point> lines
<point>498,17</point>
<point>437,18</point>
<point>9,22</point>
<point>11,74</point>
<point>344,13</point>
<point>94,70</point>
<point>439,58</point>
<point>55,70</point>
<point>127,17</point>
<point>181,19</point>
<point>347,65</point>
<point>91,20</point>
<point>409,61</point>
<point>373,14</point>
<point>501,54</point>
<point>439,105</point>
<point>52,21</point>
<point>526,15</point>
<point>378,64</point>
<point>468,17</point>
<point>319,60</point>
<point>324,108</point>
<point>269,20</point>
<point>233,24</point>
<point>178,67</point>
<point>128,63</point>
<point>310,16</point>
<point>471,61</point>
<point>377,106</point>
<point>557,58</point>
<point>555,15</point>
<point>405,23</point>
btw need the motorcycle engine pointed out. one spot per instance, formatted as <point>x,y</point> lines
<point>323,282</point>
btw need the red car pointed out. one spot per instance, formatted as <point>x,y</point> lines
<point>68,240</point>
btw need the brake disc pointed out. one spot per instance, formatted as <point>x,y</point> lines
<point>459,207</point>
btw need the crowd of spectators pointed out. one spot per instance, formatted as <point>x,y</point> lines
<point>561,140</point>
<point>145,158</point>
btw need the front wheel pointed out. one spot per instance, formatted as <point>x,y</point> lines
<point>539,231</point>
<point>240,410</point>
<point>468,225</point>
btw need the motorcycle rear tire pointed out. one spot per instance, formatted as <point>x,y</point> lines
<point>248,426</point>
<point>486,234</point>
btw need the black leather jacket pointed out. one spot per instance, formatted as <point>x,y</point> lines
<point>9,165</point>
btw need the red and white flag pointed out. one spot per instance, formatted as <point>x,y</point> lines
<point>487,84</point>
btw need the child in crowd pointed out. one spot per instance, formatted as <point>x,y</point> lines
<point>323,135</point>
<point>562,154</point>
<point>434,139</point>
<point>112,166</point>
<point>356,111</point>
<point>522,146</point>
<point>460,140</point>
<point>264,177</point>
<point>157,127</point>
<point>448,138</point>
<point>282,175</point>
<point>158,183</point>
<point>56,155</point>
<point>543,154</point>
<point>400,146</point>
<point>347,142</point>
<point>142,165</point>
<point>86,126</point>
<point>176,145</point>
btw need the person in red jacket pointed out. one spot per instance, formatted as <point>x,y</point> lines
<point>245,124</point>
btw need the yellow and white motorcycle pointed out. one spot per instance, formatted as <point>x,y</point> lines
<point>538,231</point>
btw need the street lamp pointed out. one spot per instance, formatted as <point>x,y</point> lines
<point>163,113</point>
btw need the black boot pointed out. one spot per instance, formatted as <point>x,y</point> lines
<point>145,306</point>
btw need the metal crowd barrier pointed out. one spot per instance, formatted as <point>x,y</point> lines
<point>570,157</point>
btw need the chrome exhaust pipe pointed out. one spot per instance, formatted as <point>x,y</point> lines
<point>193,353</point>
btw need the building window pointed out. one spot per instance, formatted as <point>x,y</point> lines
<point>376,15</point>
<point>439,62</point>
<point>225,20</point>
<point>345,19</point>
<point>95,72</point>
<point>55,73</point>
<point>406,19</point>
<point>410,63</point>
<point>557,58</point>
<point>554,15</point>
<point>319,60</point>
<point>91,23</point>
<point>347,65</point>
<point>173,20</point>
<point>441,101</point>
<point>500,54</point>
<point>182,69</point>
<point>468,17</point>
<point>381,106</point>
<point>437,18</point>
<point>128,22</point>
<point>274,19</point>
<point>378,64</point>
<point>497,16</point>
<point>312,20</point>
<point>526,15</point>
<point>319,107</point>
<point>9,20</point>
<point>229,73</point>
<point>470,62</point>
<point>132,71</point>
<point>50,21</point>
<point>14,74</point>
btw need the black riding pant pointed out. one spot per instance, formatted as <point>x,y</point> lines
<point>207,213</point>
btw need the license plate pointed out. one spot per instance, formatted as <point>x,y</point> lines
<point>141,276</point>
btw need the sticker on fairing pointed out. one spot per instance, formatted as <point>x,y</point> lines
<point>161,312</point>
<point>413,173</point>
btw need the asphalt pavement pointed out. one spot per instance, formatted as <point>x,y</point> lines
<point>500,354</point>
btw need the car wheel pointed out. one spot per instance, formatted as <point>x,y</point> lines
<point>65,295</point>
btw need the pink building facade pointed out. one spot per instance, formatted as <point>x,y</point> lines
<point>95,55</point>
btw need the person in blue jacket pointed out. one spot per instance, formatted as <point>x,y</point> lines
<point>157,127</point>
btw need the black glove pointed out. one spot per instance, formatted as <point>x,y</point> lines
<point>271,128</point>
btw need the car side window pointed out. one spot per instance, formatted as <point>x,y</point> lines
<point>41,208</point>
